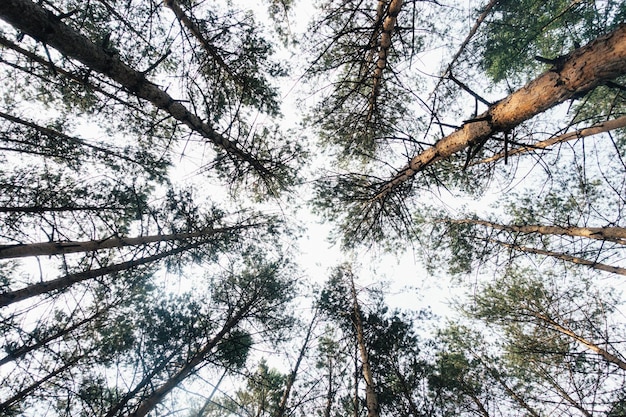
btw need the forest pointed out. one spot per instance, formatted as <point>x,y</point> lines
<point>163,164</point>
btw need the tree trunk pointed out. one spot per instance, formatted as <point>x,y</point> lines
<point>159,393</point>
<point>68,280</point>
<point>62,248</point>
<point>282,406</point>
<point>612,234</point>
<point>596,129</point>
<point>371,399</point>
<point>588,344</point>
<point>564,257</point>
<point>45,27</point>
<point>584,69</point>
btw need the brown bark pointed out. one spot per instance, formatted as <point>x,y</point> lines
<point>388,26</point>
<point>43,26</point>
<point>584,69</point>
<point>62,248</point>
<point>596,129</point>
<point>371,399</point>
<point>565,257</point>
<point>66,281</point>
<point>612,234</point>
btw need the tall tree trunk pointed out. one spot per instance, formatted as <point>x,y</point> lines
<point>388,26</point>
<point>62,248</point>
<point>44,26</point>
<point>149,403</point>
<point>4,406</point>
<point>371,399</point>
<point>612,234</point>
<point>61,283</point>
<point>595,129</point>
<point>581,71</point>
<point>282,405</point>
<point>609,357</point>
<point>563,256</point>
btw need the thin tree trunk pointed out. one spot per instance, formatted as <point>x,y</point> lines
<point>43,26</point>
<point>62,248</point>
<point>469,36</point>
<point>61,283</point>
<point>612,234</point>
<point>596,129</point>
<point>282,405</point>
<point>564,257</point>
<point>14,354</point>
<point>371,399</point>
<point>584,69</point>
<point>147,380</point>
<point>63,137</point>
<point>26,391</point>
<point>159,393</point>
<point>588,344</point>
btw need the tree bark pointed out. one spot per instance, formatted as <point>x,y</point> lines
<point>62,248</point>
<point>66,281</point>
<point>282,405</point>
<point>609,357</point>
<point>564,257</point>
<point>596,129</point>
<point>584,69</point>
<point>371,399</point>
<point>45,27</point>
<point>612,234</point>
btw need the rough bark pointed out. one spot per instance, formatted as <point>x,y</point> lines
<point>581,71</point>
<point>564,257</point>
<point>596,129</point>
<point>612,234</point>
<point>388,26</point>
<point>66,281</point>
<point>62,248</point>
<point>371,398</point>
<point>44,26</point>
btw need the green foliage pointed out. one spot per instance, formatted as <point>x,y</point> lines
<point>520,30</point>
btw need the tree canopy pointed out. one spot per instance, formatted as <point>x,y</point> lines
<point>162,161</point>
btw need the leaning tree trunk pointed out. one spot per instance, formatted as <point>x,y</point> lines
<point>62,248</point>
<point>44,26</point>
<point>577,73</point>
<point>66,281</point>
<point>371,399</point>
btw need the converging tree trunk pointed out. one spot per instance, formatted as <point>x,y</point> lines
<point>62,248</point>
<point>577,73</point>
<point>44,26</point>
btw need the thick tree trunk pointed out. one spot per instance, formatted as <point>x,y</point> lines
<point>33,290</point>
<point>596,129</point>
<point>371,398</point>
<point>612,234</point>
<point>44,26</point>
<point>584,69</point>
<point>388,26</point>
<point>62,248</point>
